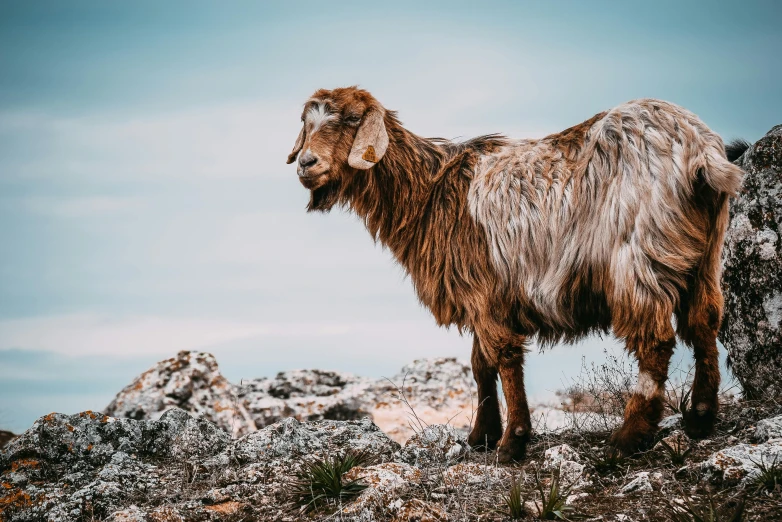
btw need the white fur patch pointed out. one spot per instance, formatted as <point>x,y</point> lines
<point>646,386</point>
<point>317,116</point>
<point>616,207</point>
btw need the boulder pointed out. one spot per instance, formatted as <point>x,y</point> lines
<point>192,381</point>
<point>752,278</point>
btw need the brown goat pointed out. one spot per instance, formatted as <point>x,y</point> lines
<point>616,223</point>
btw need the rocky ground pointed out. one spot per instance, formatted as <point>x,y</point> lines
<point>152,460</point>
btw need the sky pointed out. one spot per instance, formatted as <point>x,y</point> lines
<point>145,203</point>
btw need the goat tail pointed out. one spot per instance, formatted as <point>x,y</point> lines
<point>718,172</point>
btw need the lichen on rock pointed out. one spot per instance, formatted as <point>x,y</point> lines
<point>752,277</point>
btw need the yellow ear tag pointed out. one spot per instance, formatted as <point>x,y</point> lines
<point>369,154</point>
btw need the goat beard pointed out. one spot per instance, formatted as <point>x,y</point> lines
<point>324,197</point>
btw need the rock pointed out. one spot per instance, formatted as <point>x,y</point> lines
<point>439,444</point>
<point>179,467</point>
<point>554,456</point>
<point>564,460</point>
<point>472,474</point>
<point>433,391</point>
<point>767,429</point>
<point>641,482</point>
<point>190,381</point>
<point>306,395</point>
<point>671,422</point>
<point>290,440</point>
<point>387,482</point>
<point>437,390</point>
<point>419,511</point>
<point>677,440</point>
<point>739,463</point>
<point>752,278</point>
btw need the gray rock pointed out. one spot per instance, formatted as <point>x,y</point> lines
<point>770,428</point>
<point>306,395</point>
<point>92,466</point>
<point>752,278</point>
<point>641,482</point>
<point>739,463</point>
<point>671,422</point>
<point>192,381</point>
<point>566,461</point>
<point>439,444</point>
<point>386,483</point>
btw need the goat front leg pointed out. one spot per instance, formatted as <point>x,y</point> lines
<point>644,409</point>
<point>518,429</point>
<point>487,427</point>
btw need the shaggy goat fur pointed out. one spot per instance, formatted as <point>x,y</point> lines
<point>614,224</point>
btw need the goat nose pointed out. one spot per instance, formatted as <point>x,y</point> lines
<point>307,159</point>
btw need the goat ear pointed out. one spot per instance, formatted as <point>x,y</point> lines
<point>297,147</point>
<point>370,143</point>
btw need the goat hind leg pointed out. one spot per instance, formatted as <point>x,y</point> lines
<point>645,407</point>
<point>700,332</point>
<point>487,426</point>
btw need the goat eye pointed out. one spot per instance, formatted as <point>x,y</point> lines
<point>352,120</point>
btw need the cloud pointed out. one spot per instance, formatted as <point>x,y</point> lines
<point>82,206</point>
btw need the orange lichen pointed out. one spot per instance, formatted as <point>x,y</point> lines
<point>24,463</point>
<point>70,428</point>
<point>15,499</point>
<point>225,508</point>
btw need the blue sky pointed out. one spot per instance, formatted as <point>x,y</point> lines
<point>145,203</point>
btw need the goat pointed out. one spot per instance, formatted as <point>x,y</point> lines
<point>614,224</point>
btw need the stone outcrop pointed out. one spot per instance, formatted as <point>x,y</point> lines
<point>752,278</point>
<point>436,391</point>
<point>191,381</point>
<point>93,467</point>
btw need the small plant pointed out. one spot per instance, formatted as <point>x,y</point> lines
<point>514,502</point>
<point>677,399</point>
<point>770,475</point>
<point>730,511</point>
<point>605,462</point>
<point>553,505</point>
<point>678,452</point>
<point>320,482</point>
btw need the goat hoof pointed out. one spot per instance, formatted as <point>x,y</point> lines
<point>699,420</point>
<point>513,448</point>
<point>626,444</point>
